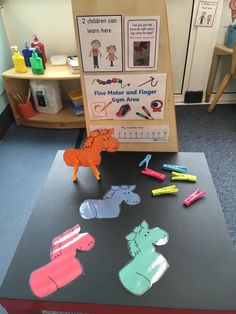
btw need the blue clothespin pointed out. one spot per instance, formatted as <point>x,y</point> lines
<point>181,169</point>
<point>145,161</point>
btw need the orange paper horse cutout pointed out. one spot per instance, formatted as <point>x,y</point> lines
<point>90,153</point>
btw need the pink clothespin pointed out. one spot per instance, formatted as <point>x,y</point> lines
<point>193,197</point>
<point>154,174</point>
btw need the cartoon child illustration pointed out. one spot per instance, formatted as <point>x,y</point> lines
<point>111,54</point>
<point>95,52</point>
<point>209,18</point>
<point>202,17</point>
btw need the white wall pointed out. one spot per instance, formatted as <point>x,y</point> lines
<point>5,62</point>
<point>51,20</point>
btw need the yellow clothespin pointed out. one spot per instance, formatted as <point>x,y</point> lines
<point>183,177</point>
<point>165,190</point>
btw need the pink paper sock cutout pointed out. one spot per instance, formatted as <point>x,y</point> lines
<point>64,266</point>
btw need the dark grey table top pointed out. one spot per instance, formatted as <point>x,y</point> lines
<point>202,273</point>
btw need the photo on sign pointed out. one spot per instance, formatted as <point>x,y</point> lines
<point>126,96</point>
<point>206,13</point>
<point>141,53</point>
<point>141,42</point>
<point>100,38</point>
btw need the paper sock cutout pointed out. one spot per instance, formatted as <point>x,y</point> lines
<point>147,265</point>
<point>109,206</point>
<point>64,266</point>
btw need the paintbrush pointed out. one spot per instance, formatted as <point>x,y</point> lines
<point>29,94</point>
<point>16,98</point>
<point>19,98</point>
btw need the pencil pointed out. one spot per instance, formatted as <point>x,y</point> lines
<point>108,104</point>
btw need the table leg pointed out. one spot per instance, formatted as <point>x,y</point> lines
<point>220,90</point>
<point>212,75</point>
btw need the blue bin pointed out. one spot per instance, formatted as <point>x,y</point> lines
<point>231,35</point>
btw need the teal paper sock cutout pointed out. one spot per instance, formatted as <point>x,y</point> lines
<point>147,265</point>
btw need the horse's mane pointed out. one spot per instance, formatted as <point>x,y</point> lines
<point>133,245</point>
<point>88,143</point>
<point>110,193</point>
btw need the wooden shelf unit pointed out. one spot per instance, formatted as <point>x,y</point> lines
<point>19,82</point>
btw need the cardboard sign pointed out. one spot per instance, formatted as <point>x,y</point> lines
<point>141,42</point>
<point>126,97</point>
<point>101,42</point>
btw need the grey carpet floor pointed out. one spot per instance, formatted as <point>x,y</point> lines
<point>215,135</point>
<point>26,155</point>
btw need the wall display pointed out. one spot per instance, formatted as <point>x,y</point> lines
<point>206,13</point>
<point>126,97</point>
<point>110,205</point>
<point>140,94</point>
<point>139,133</point>
<point>141,42</point>
<point>101,42</point>
<point>147,265</point>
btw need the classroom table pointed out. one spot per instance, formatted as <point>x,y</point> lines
<point>202,273</point>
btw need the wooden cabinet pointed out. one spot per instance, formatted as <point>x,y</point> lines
<point>19,82</point>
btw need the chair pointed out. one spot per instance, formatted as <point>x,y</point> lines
<point>225,81</point>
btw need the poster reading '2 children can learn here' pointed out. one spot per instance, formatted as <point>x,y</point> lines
<point>101,42</point>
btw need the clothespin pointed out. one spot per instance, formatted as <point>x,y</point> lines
<point>183,177</point>
<point>166,190</point>
<point>145,161</point>
<point>154,174</point>
<point>181,169</point>
<point>193,197</point>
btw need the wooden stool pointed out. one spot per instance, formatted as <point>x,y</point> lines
<point>225,80</point>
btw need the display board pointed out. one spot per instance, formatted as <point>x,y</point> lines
<point>126,75</point>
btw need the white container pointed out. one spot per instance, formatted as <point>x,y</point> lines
<point>46,96</point>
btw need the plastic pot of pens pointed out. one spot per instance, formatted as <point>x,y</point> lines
<point>24,108</point>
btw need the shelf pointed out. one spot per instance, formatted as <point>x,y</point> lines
<point>59,72</point>
<point>65,119</point>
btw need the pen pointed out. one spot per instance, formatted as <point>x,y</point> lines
<point>142,115</point>
<point>147,112</point>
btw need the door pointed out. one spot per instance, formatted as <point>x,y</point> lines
<point>179,18</point>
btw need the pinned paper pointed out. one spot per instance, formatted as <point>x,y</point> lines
<point>141,42</point>
<point>126,96</point>
<point>101,42</point>
<point>64,266</point>
<point>90,153</point>
<point>147,265</point>
<point>109,206</point>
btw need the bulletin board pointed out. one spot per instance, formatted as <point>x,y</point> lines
<point>126,75</point>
